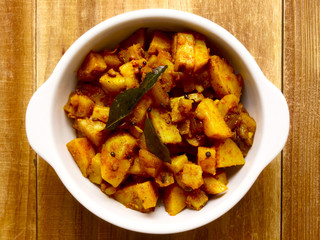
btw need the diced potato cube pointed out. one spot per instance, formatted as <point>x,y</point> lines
<point>141,197</point>
<point>82,152</point>
<point>148,194</point>
<point>95,93</point>
<point>128,72</point>
<point>115,161</point>
<point>113,83</point>
<point>140,110</point>
<point>214,124</point>
<point>160,42</point>
<point>111,59</point>
<point>228,154</point>
<point>136,168</point>
<point>196,199</point>
<point>113,170</point>
<point>177,163</point>
<point>201,53</point>
<point>79,106</point>
<point>94,130</point>
<point>164,178</point>
<point>191,175</point>
<point>167,132</point>
<point>223,79</point>
<point>159,95</point>
<point>107,188</point>
<point>122,144</point>
<point>212,185</point>
<point>183,50</point>
<point>167,79</point>
<point>150,163</point>
<point>227,103</point>
<point>174,199</point>
<point>207,159</point>
<point>134,52</point>
<point>94,169</point>
<point>92,67</point>
<point>180,107</point>
<point>100,113</point>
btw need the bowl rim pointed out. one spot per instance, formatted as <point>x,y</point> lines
<point>186,17</point>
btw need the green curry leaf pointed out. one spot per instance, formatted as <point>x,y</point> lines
<point>125,102</point>
<point>154,143</point>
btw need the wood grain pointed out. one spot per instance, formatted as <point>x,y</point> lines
<point>251,218</point>
<point>17,169</point>
<point>301,156</point>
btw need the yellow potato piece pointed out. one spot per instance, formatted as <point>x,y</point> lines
<point>167,131</point>
<point>183,50</point>
<point>212,185</point>
<point>94,130</point>
<point>94,169</point>
<point>223,79</point>
<point>196,199</point>
<point>141,196</point>
<point>228,154</point>
<point>214,124</point>
<point>82,152</point>
<point>174,199</point>
<point>206,158</point>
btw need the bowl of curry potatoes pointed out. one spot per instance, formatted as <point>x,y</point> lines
<point>158,121</point>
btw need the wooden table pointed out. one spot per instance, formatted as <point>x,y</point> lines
<point>284,38</point>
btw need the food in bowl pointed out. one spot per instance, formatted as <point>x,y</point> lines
<point>159,119</point>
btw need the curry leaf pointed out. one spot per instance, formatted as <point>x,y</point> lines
<point>154,143</point>
<point>125,102</point>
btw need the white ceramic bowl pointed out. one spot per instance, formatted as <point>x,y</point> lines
<point>48,128</point>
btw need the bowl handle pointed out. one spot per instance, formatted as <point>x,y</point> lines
<point>38,121</point>
<point>277,120</point>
